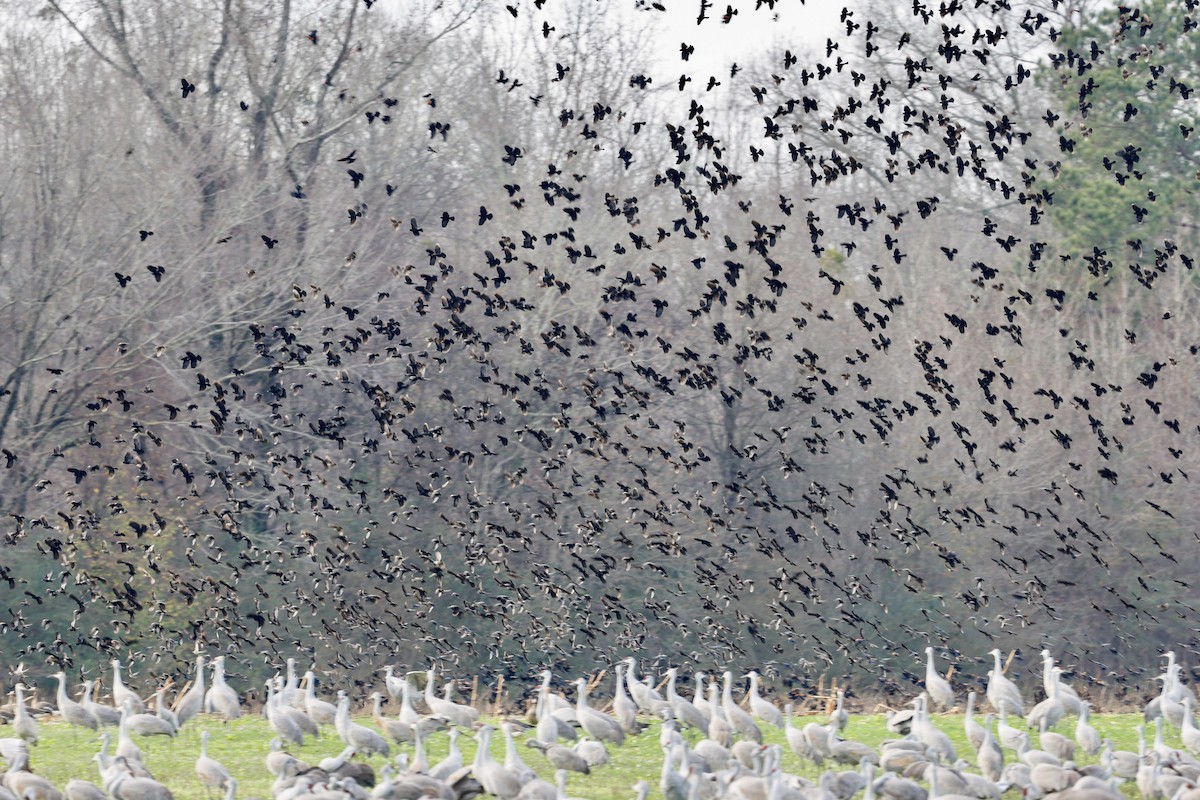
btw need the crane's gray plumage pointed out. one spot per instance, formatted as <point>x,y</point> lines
<point>72,712</point>
<point>361,738</point>
<point>212,773</point>
<point>220,697</point>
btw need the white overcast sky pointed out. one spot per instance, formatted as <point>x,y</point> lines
<point>749,32</point>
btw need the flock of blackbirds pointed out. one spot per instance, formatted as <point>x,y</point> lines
<point>713,747</point>
<point>495,477</point>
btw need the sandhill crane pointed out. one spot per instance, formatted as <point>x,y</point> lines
<point>420,760</point>
<point>77,789</point>
<point>220,697</point>
<point>596,723</point>
<point>395,686</point>
<point>24,725</point>
<point>624,709</point>
<point>451,763</point>
<point>930,736</point>
<point>847,751</point>
<point>280,722</point>
<point>796,739</point>
<point>1189,734</point>
<point>644,695</point>
<point>394,729</point>
<point>1002,693</point>
<point>1052,674</point>
<point>719,729</point>
<point>934,773</point>
<point>761,708</point>
<point>561,757</point>
<point>556,704</point>
<point>161,711</point>
<point>69,710</point>
<point>361,738</point>
<point>320,711</point>
<point>538,789</point>
<point>938,688</point>
<point>1056,744</point>
<point>700,695</point>
<point>12,748</point>
<point>592,751</point>
<point>126,747</point>
<point>1048,712</point>
<point>549,727</point>
<point>686,712</point>
<point>191,702</point>
<point>1085,735</point>
<point>278,760</point>
<point>973,729</point>
<point>302,720</point>
<point>289,691</point>
<point>105,715</point>
<point>989,756</point>
<point>148,724</point>
<point>512,759</point>
<point>407,714</point>
<point>840,717</point>
<point>122,694</point>
<point>27,786</point>
<point>212,773</point>
<point>462,715</point>
<point>742,722</point>
<point>712,753</point>
<point>496,780</point>
<point>1008,735</point>
<point>1170,699</point>
<point>124,786</point>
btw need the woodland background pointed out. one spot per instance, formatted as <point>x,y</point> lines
<point>817,460</point>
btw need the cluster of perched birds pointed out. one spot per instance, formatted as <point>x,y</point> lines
<point>714,748</point>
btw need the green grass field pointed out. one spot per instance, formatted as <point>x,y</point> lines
<point>66,753</point>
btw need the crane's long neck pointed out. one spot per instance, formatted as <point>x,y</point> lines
<point>418,745</point>
<point>485,740</point>
<point>621,674</point>
<point>510,747</point>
